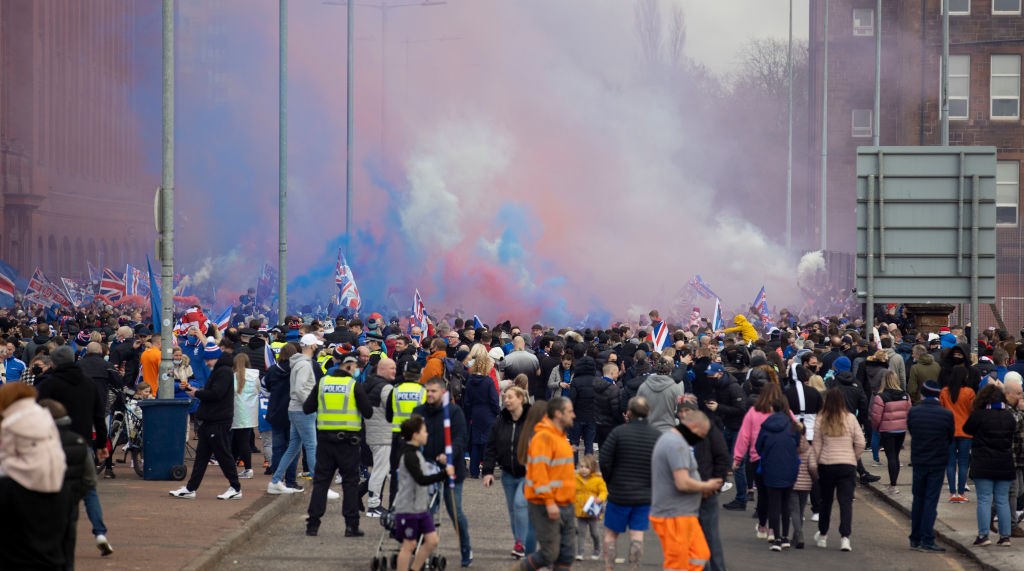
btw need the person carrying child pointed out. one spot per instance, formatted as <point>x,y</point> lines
<point>591,493</point>
<point>411,503</point>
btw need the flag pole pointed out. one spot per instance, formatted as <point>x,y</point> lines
<point>282,159</point>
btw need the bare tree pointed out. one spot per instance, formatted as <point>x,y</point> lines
<point>655,48</point>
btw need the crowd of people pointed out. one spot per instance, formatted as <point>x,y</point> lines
<point>591,433</point>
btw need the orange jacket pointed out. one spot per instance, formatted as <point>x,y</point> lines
<point>434,366</point>
<point>961,408</point>
<point>550,476</point>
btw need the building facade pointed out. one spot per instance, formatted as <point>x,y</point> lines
<point>72,188</point>
<point>986,48</point>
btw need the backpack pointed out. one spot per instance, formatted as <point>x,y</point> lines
<point>454,375</point>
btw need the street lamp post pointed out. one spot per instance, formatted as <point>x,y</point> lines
<point>165,390</point>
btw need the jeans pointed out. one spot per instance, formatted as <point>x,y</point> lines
<point>740,474</point>
<point>959,459</point>
<point>303,434</point>
<point>876,443</point>
<point>893,442</point>
<point>556,538</point>
<point>926,488</point>
<point>518,512</point>
<point>279,446</point>
<point>95,512</point>
<point>585,431</point>
<point>836,481</point>
<point>455,513</point>
<point>708,517</point>
<point>1001,490</point>
<point>476,455</point>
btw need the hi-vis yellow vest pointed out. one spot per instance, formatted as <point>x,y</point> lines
<point>337,405</point>
<point>406,397</point>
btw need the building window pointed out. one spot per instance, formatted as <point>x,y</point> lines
<point>958,7</point>
<point>1005,7</point>
<point>1007,192</point>
<point>1005,86</point>
<point>862,122</point>
<point>959,86</point>
<point>863,22</point>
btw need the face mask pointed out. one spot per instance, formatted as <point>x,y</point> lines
<point>192,338</point>
<point>37,370</point>
<point>691,438</point>
<point>177,362</point>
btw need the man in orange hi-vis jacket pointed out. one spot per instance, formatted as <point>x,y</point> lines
<point>550,488</point>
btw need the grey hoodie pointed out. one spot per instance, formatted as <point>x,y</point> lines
<point>302,381</point>
<point>662,393</point>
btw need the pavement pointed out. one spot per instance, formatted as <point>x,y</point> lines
<point>151,530</point>
<point>957,524</point>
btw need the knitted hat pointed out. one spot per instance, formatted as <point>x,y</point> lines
<point>211,351</point>
<point>930,389</point>
<point>842,365</point>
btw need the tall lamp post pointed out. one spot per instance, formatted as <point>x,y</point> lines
<point>165,216</point>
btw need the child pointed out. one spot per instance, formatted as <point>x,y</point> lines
<point>801,490</point>
<point>589,484</point>
<point>143,392</point>
<point>411,503</point>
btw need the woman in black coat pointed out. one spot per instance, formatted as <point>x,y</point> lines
<point>481,405</point>
<point>502,444</point>
<point>992,425</point>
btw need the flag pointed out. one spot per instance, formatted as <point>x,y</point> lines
<point>94,274</point>
<point>448,452</point>
<point>71,289</point>
<point>702,288</point>
<point>717,321</point>
<point>224,319</point>
<point>761,303</point>
<point>659,335</point>
<point>477,324</point>
<point>7,288</point>
<point>419,311</point>
<point>134,282</point>
<point>40,290</point>
<point>268,356</point>
<point>154,298</point>
<point>267,283</point>
<point>111,285</point>
<point>348,293</point>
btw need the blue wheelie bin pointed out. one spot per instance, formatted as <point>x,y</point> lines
<point>163,438</point>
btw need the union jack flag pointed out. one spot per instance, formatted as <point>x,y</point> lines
<point>702,288</point>
<point>112,285</point>
<point>659,335</point>
<point>224,319</point>
<point>419,311</point>
<point>348,293</point>
<point>761,303</point>
<point>7,288</point>
<point>40,290</point>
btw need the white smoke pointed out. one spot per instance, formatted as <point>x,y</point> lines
<point>811,264</point>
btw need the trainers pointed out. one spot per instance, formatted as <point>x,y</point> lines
<point>294,486</point>
<point>876,464</point>
<point>183,492</point>
<point>103,545</point>
<point>821,540</point>
<point>374,512</point>
<point>814,517</point>
<point>337,478</point>
<point>785,543</point>
<point>468,560</point>
<point>982,541</point>
<point>354,532</point>
<point>332,495</point>
<point>108,474</point>
<point>305,475</point>
<point>869,478</point>
<point>579,557</point>
<point>595,556</point>
<point>736,506</point>
<point>771,536</point>
<point>1004,541</point>
<point>245,474</point>
<point>517,551</point>
<point>775,546</point>
<point>276,488</point>
<point>268,472</point>
<point>844,544</point>
<point>231,494</point>
<point>931,548</point>
<point>892,490</point>
<point>762,532</point>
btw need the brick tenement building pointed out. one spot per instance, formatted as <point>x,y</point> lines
<point>71,169</point>
<point>986,49</point>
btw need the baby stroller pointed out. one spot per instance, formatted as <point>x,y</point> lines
<point>383,561</point>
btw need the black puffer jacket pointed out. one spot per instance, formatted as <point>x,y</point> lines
<point>254,349</point>
<point>731,403</point>
<point>581,390</point>
<point>102,373</point>
<point>503,443</point>
<point>992,447</point>
<point>629,388</point>
<point>606,403</point>
<point>76,452</point>
<point>625,459</point>
<point>278,384</point>
<point>856,398</point>
<point>217,399</point>
<point>69,386</point>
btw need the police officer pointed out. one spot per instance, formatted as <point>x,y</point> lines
<point>408,395</point>
<point>341,405</point>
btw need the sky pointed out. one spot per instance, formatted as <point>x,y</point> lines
<point>716,29</point>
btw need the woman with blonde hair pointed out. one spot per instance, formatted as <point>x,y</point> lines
<point>502,451</point>
<point>889,410</point>
<point>480,404</point>
<point>246,415</point>
<point>838,443</point>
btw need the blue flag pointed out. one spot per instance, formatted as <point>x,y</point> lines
<point>154,298</point>
<point>477,324</point>
<point>717,322</point>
